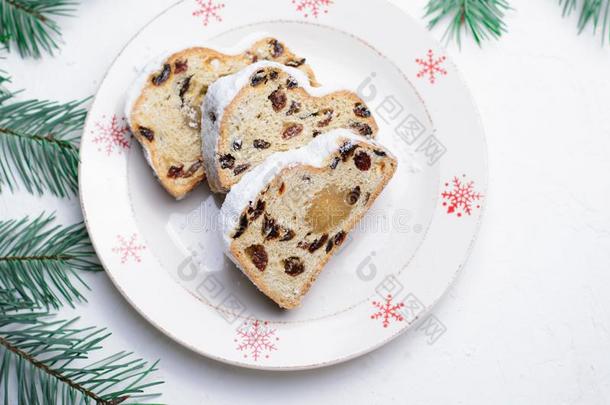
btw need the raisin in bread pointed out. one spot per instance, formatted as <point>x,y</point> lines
<point>164,113</point>
<point>266,108</point>
<point>285,219</point>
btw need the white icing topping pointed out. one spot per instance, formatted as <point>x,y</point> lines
<point>222,92</point>
<point>253,182</point>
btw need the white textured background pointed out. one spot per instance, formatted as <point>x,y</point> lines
<point>528,321</point>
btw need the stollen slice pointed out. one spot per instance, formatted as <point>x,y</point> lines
<point>164,106</point>
<point>285,219</point>
<point>268,108</point>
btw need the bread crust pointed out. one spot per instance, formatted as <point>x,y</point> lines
<point>180,168</point>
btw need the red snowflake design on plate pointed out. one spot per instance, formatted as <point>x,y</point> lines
<point>312,7</point>
<point>461,197</point>
<point>254,338</point>
<point>208,10</point>
<point>388,311</point>
<point>431,67</point>
<point>112,135</point>
<point>129,248</point>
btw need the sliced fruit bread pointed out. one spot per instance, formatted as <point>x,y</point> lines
<point>164,106</point>
<point>266,108</point>
<point>285,219</point>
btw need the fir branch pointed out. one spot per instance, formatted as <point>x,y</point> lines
<point>592,12</point>
<point>39,261</point>
<point>482,18</point>
<point>39,141</point>
<point>30,24</point>
<point>40,355</point>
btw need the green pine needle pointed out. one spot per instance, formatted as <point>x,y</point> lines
<point>30,24</point>
<point>39,145</point>
<point>4,79</point>
<point>39,357</point>
<point>482,18</point>
<point>10,301</point>
<point>4,95</point>
<point>39,261</point>
<point>592,12</point>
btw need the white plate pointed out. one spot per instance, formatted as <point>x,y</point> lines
<point>164,255</point>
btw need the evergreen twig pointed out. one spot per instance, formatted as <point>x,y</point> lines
<point>39,145</point>
<point>482,18</point>
<point>39,356</point>
<point>592,12</point>
<point>30,24</point>
<point>39,261</point>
